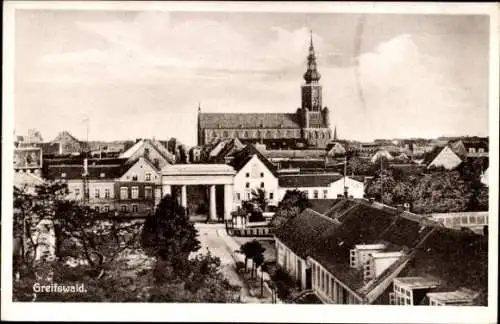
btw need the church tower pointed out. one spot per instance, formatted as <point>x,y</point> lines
<point>314,118</point>
<point>311,90</point>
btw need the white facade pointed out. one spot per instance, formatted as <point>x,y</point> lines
<point>355,189</point>
<point>485,178</point>
<point>294,265</point>
<point>141,171</point>
<point>253,176</point>
<point>446,158</point>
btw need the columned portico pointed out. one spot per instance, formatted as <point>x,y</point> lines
<point>210,175</point>
<point>213,207</point>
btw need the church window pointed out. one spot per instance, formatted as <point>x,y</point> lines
<point>316,194</point>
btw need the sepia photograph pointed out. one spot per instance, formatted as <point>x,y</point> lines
<point>302,157</point>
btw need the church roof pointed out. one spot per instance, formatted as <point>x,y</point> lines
<point>248,120</point>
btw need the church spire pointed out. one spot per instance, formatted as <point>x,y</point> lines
<point>311,75</point>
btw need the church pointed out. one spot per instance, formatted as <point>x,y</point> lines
<point>307,127</point>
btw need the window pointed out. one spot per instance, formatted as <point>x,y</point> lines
<point>262,184</point>
<point>472,150</point>
<point>124,208</point>
<point>97,192</point>
<point>464,220</point>
<point>134,208</point>
<point>63,175</point>
<point>472,219</point>
<point>316,194</point>
<point>77,191</point>
<point>262,174</point>
<point>248,195</point>
<point>247,185</point>
<point>238,196</point>
<point>135,192</point>
<point>134,177</point>
<point>481,150</point>
<point>107,193</point>
<point>123,193</point>
<point>102,174</point>
<point>97,209</point>
<point>106,208</point>
<point>247,175</point>
<point>325,194</point>
<point>148,176</point>
<point>271,195</point>
<point>148,192</point>
<point>156,163</point>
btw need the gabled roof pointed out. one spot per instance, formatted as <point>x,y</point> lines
<point>455,258</point>
<point>459,259</point>
<point>155,144</point>
<point>301,232</point>
<point>322,205</point>
<point>65,135</point>
<point>248,120</point>
<point>242,157</point>
<point>308,180</point>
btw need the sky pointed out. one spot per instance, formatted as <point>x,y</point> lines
<point>143,74</point>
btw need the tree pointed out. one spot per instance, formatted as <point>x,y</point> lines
<point>169,235</point>
<point>293,203</point>
<point>441,192</point>
<point>258,260</point>
<point>358,166</point>
<point>259,199</point>
<point>381,187</point>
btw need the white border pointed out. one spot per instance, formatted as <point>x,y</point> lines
<point>260,313</point>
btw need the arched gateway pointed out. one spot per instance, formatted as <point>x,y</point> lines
<point>183,175</point>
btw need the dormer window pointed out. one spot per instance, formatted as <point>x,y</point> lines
<point>411,290</point>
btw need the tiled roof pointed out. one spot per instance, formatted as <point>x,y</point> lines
<point>110,171</point>
<point>242,157</point>
<point>300,233</point>
<point>295,154</point>
<point>457,258</point>
<point>364,223</point>
<point>322,205</point>
<point>248,120</point>
<point>307,180</point>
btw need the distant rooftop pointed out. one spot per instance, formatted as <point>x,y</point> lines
<point>194,169</point>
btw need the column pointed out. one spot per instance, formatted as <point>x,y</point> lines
<point>167,190</point>
<point>213,210</point>
<point>183,196</point>
<point>228,201</point>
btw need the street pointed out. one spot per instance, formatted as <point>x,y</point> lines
<point>214,238</point>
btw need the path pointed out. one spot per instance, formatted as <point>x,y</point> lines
<point>214,237</point>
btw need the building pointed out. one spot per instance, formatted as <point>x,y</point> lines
<point>321,185</point>
<point>446,158</point>
<point>254,172</point>
<point>68,144</point>
<point>475,221</point>
<point>358,252</point>
<point>308,126</point>
<point>138,190</point>
<point>485,177</point>
<point>28,159</point>
<point>91,182</point>
<point>152,150</point>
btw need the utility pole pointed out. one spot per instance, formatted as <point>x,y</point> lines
<point>381,181</point>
